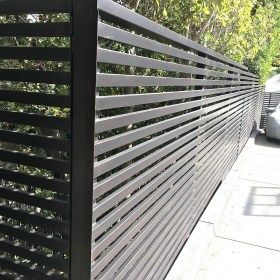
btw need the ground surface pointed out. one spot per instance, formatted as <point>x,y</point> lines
<point>238,236</point>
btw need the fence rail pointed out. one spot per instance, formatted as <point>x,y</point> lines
<point>114,136</point>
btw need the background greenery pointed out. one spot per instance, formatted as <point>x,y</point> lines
<point>244,30</point>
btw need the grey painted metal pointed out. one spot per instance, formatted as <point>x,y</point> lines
<point>116,80</point>
<point>187,126</point>
<point>34,6</point>
<point>136,20</point>
<point>112,33</point>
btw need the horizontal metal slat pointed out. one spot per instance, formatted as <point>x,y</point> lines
<point>115,34</point>
<point>179,243</point>
<point>118,177</point>
<point>131,170</point>
<point>212,138</point>
<point>52,204</point>
<point>215,129</point>
<point>108,144</point>
<point>54,164</point>
<point>47,241</point>
<point>35,76</point>
<point>130,136</point>
<point>122,193</point>
<point>7,276</point>
<point>61,29</point>
<point>117,11</point>
<point>34,6</point>
<point>33,218</point>
<point>114,57</point>
<point>116,80</point>
<point>51,184</point>
<point>167,247</point>
<point>125,254</point>
<point>171,208</point>
<point>244,77</point>
<point>164,268</point>
<point>35,98</point>
<point>104,124</point>
<point>35,120</point>
<point>207,176</point>
<point>161,273</point>
<point>206,151</point>
<point>154,217</point>
<point>126,156</point>
<point>27,270</point>
<point>169,174</point>
<point>179,235</point>
<point>161,235</point>
<point>34,53</point>
<point>206,158</point>
<point>216,142</point>
<point>209,159</point>
<point>133,152</point>
<point>100,263</point>
<point>35,140</point>
<point>18,249</point>
<point>206,171</point>
<point>117,101</point>
<point>106,240</point>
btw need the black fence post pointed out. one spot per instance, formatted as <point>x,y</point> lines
<point>84,46</point>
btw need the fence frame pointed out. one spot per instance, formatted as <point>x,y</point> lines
<point>84,50</point>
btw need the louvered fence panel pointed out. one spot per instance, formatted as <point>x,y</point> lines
<point>34,133</point>
<point>171,119</point>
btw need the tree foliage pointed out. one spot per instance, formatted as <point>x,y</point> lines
<point>244,30</point>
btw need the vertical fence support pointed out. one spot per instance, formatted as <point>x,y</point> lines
<point>241,121</point>
<point>84,44</point>
<point>200,137</point>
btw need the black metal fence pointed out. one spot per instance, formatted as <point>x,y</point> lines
<point>35,151</point>
<point>115,132</point>
<point>271,99</point>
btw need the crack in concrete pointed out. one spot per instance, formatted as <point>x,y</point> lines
<point>238,241</point>
<point>268,183</point>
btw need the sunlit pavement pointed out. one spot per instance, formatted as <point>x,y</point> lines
<point>238,236</point>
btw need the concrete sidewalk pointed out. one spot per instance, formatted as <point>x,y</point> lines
<point>238,236</point>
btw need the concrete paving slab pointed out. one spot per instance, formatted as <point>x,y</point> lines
<point>192,256</point>
<point>219,202</point>
<point>229,260</point>
<point>252,215</point>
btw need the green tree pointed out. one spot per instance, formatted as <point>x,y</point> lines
<point>240,29</point>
